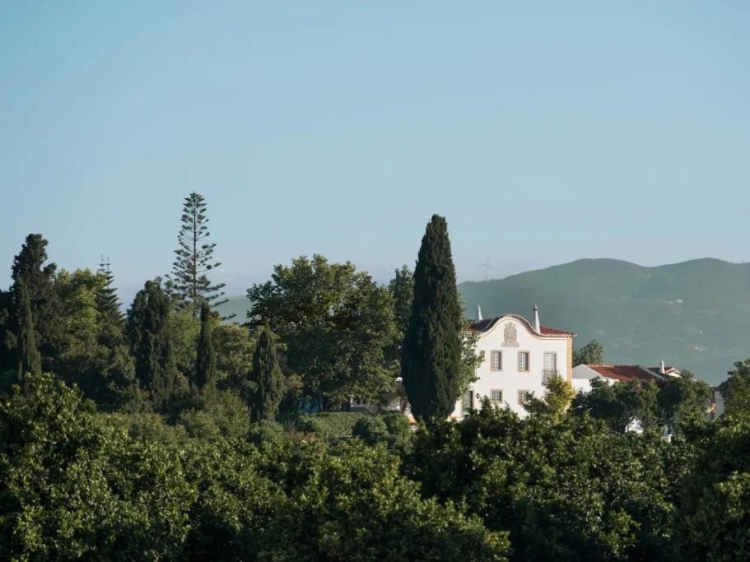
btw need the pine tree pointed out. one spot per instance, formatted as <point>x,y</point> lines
<point>151,342</point>
<point>266,370</point>
<point>114,368</point>
<point>30,360</point>
<point>205,368</point>
<point>431,354</point>
<point>189,282</point>
<point>107,302</point>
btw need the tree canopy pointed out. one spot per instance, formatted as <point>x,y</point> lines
<point>167,437</point>
<point>337,325</point>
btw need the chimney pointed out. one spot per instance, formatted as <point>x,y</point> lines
<point>536,320</point>
<point>479,312</point>
<point>662,368</point>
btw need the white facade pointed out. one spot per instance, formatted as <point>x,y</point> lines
<point>518,357</point>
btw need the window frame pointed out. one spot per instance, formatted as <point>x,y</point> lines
<point>499,360</point>
<point>523,396</point>
<point>499,401</point>
<point>528,362</point>
<point>547,354</point>
<point>467,397</point>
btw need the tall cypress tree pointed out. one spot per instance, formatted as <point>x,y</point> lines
<point>29,358</point>
<point>205,368</point>
<point>151,342</point>
<point>431,353</point>
<point>189,280</point>
<point>31,270</point>
<point>268,377</point>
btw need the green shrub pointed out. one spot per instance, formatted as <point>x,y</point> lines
<point>371,430</point>
<point>330,425</point>
<point>399,429</point>
<point>356,505</point>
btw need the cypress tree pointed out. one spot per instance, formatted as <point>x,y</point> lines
<point>431,353</point>
<point>30,360</point>
<point>8,361</point>
<point>189,282</point>
<point>268,376</point>
<point>205,368</point>
<point>30,269</point>
<point>151,342</point>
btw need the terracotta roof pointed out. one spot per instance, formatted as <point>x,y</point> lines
<point>487,323</point>
<point>625,372</point>
<point>553,332</point>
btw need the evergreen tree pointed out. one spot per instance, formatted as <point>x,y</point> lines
<point>30,360</point>
<point>151,342</point>
<point>270,389</point>
<point>107,302</point>
<point>205,367</point>
<point>431,354</point>
<point>31,270</point>
<point>8,363</point>
<point>189,282</point>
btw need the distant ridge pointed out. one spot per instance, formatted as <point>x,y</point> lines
<point>694,314</point>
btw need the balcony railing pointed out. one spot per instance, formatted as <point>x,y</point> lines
<point>547,374</point>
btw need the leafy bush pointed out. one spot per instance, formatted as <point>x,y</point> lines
<point>567,490</point>
<point>73,485</point>
<point>357,506</point>
<point>330,425</point>
<point>399,430</point>
<point>372,430</point>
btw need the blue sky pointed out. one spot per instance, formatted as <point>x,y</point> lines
<point>544,131</point>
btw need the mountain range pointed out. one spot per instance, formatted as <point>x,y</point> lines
<point>695,315</point>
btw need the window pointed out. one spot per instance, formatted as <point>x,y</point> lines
<point>496,397</point>
<point>550,361</point>
<point>550,366</point>
<point>496,361</point>
<point>523,361</point>
<point>523,396</point>
<point>467,404</point>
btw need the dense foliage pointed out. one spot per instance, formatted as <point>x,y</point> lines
<point>337,324</point>
<point>157,435</point>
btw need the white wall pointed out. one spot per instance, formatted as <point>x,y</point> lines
<point>582,377</point>
<point>509,380</point>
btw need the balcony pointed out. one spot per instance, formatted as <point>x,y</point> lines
<point>547,374</point>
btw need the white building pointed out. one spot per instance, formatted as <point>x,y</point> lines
<point>518,358</point>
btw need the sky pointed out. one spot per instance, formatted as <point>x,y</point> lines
<point>544,131</point>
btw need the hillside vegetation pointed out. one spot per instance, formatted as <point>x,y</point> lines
<point>693,314</point>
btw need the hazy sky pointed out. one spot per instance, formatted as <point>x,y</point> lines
<point>544,131</point>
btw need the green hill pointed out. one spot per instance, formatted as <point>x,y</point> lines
<point>696,314</point>
<point>236,305</point>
